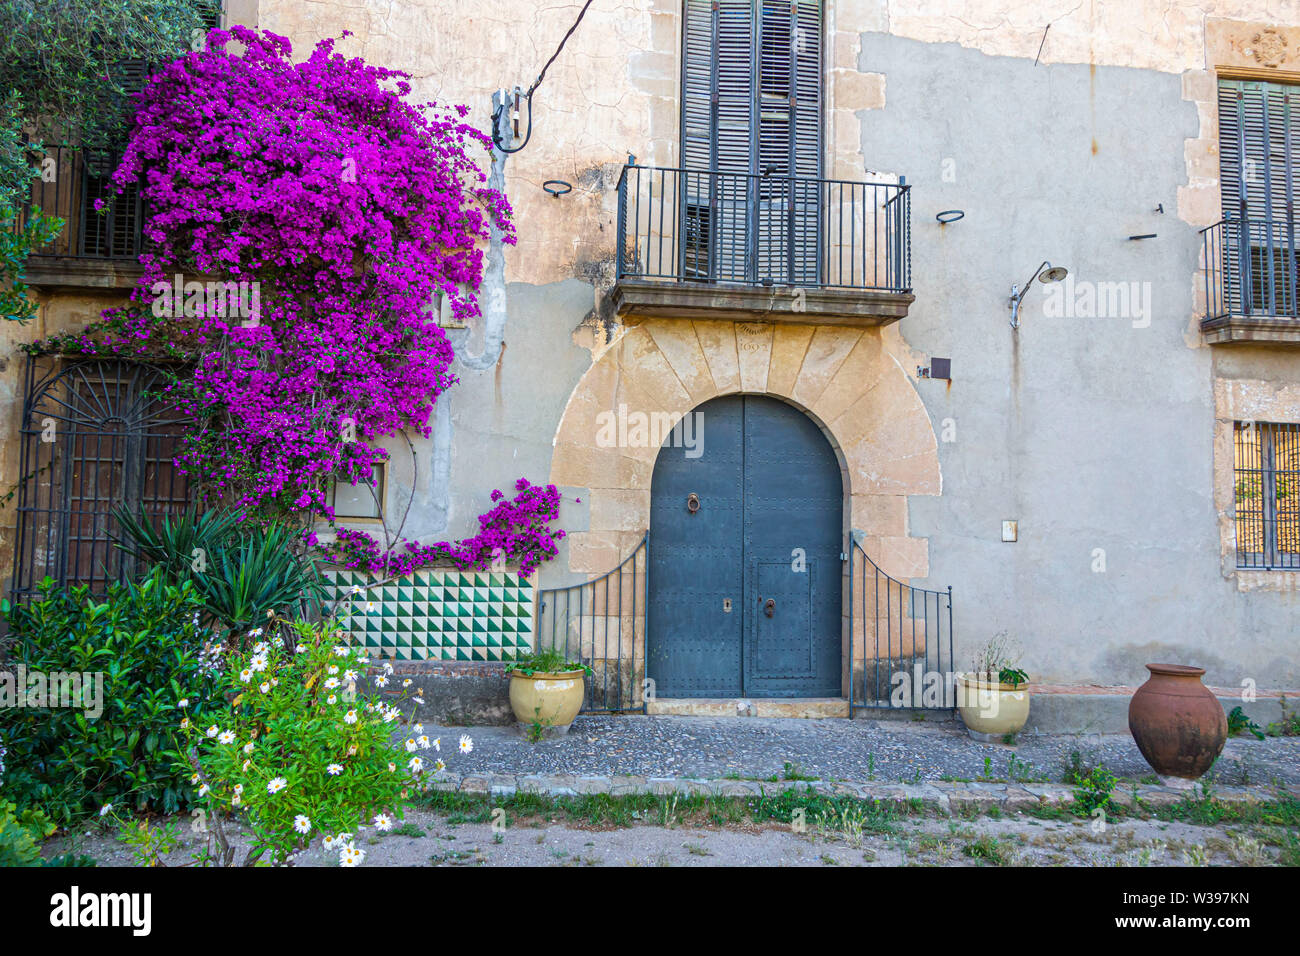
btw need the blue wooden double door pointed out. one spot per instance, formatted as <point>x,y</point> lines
<point>746,536</point>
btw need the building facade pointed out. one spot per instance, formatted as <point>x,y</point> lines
<point>774,324</point>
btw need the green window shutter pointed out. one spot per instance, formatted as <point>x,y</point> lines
<point>751,103</point>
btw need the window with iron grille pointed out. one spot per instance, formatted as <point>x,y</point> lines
<point>1259,160</point>
<point>96,435</point>
<point>1267,495</point>
<point>752,126</point>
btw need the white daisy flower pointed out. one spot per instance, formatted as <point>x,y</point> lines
<point>383,822</point>
<point>236,800</point>
<point>183,702</point>
<point>261,647</point>
<point>388,668</point>
<point>350,856</point>
<point>423,741</point>
<point>265,687</point>
<point>411,746</point>
<point>381,681</point>
<point>328,843</point>
<point>331,683</point>
<point>334,769</point>
<point>185,723</point>
<point>418,728</point>
<point>226,737</point>
<point>466,745</point>
<point>437,744</point>
<point>276,785</point>
<point>350,717</point>
<point>204,790</point>
<point>105,809</point>
<point>370,606</point>
<point>213,730</point>
<point>357,589</point>
<point>340,651</point>
<point>302,823</point>
<point>239,788</point>
<point>333,669</point>
<point>407,682</point>
<point>245,675</point>
<point>255,632</point>
<point>416,764</point>
<point>332,699</point>
<point>248,747</point>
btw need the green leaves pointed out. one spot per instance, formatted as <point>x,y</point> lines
<point>240,573</point>
<point>138,651</point>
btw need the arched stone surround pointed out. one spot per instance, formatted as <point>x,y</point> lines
<point>849,380</point>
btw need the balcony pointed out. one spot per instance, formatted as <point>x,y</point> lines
<point>1252,268</point>
<point>94,250</point>
<point>702,244</point>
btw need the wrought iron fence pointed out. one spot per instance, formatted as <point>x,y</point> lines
<point>1252,267</point>
<point>71,180</point>
<point>602,623</point>
<point>705,226</point>
<point>1266,509</point>
<point>900,641</point>
<point>95,434</point>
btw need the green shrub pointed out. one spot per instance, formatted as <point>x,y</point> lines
<point>1093,789</point>
<point>21,833</point>
<point>144,652</point>
<point>303,753</point>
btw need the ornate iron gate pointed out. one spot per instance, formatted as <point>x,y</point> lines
<point>602,623</point>
<point>900,640</point>
<point>95,434</point>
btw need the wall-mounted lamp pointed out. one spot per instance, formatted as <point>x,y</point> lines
<point>1044,273</point>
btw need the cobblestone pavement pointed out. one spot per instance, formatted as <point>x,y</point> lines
<point>829,750</point>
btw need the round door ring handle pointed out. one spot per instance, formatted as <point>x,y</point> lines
<point>692,502</point>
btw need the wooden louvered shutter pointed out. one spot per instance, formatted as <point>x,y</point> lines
<point>751,105</point>
<point>1259,157</point>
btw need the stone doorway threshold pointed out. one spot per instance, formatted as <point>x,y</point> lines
<point>812,708</point>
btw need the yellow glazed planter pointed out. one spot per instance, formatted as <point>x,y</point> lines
<point>989,709</point>
<point>552,700</point>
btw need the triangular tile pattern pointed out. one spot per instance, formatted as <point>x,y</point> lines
<point>439,615</point>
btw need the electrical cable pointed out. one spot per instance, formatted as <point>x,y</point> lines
<point>496,115</point>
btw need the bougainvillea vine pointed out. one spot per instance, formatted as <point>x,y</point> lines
<point>515,532</point>
<point>351,209</point>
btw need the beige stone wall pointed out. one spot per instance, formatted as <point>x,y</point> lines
<point>848,380</point>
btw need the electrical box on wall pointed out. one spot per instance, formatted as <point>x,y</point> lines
<point>1009,530</point>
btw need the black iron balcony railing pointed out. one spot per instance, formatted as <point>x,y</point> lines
<point>71,180</point>
<point>696,225</point>
<point>1252,268</point>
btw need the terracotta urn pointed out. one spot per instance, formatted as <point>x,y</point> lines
<point>1177,723</point>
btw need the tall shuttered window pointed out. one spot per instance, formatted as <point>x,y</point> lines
<point>752,139</point>
<point>1259,160</point>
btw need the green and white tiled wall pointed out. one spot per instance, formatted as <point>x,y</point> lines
<point>440,615</point>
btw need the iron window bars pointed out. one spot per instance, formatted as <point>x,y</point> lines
<point>95,434</point>
<point>1267,495</point>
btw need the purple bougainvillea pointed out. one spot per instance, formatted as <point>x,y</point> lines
<point>350,209</point>
<point>515,532</point>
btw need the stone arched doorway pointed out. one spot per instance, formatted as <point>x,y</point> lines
<point>746,538</point>
<point>850,381</point>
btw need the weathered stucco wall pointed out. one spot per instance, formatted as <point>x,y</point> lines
<point>1103,436</point>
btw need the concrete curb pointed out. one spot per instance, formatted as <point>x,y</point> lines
<point>939,796</point>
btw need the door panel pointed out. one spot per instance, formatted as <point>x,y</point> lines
<point>693,644</point>
<point>769,526</point>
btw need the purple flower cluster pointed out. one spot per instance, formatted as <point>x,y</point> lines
<point>515,532</point>
<point>352,209</point>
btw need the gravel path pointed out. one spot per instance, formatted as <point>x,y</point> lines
<point>837,749</point>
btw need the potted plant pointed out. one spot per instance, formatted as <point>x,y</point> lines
<point>546,692</point>
<point>992,697</point>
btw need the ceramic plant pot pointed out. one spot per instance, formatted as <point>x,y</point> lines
<point>1177,723</point>
<point>551,700</point>
<point>989,709</point>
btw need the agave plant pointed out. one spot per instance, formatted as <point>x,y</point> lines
<point>244,574</point>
